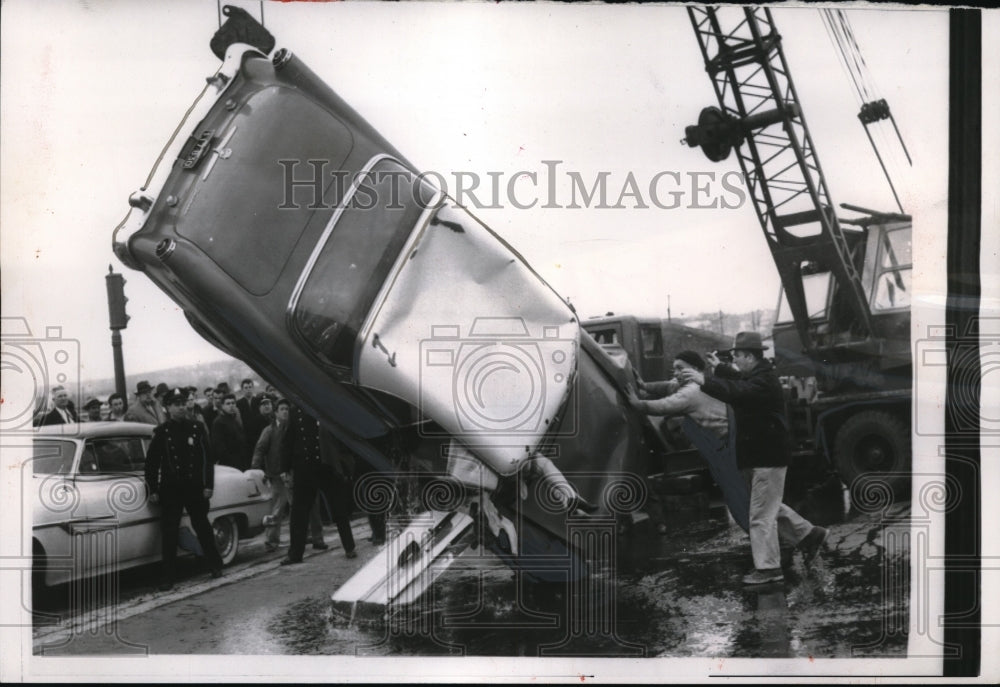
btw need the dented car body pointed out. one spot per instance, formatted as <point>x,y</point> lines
<point>297,239</point>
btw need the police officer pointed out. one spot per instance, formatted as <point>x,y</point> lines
<point>317,461</point>
<point>180,475</point>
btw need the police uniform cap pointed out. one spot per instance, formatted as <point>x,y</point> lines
<point>173,396</point>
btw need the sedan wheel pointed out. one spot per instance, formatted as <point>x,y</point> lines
<point>227,538</point>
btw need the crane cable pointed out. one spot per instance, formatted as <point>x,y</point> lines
<point>874,108</point>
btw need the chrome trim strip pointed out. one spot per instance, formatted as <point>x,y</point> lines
<point>321,244</point>
<point>325,236</point>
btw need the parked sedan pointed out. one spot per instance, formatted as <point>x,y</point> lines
<point>91,514</point>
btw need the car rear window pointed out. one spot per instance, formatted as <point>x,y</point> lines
<point>260,186</point>
<point>354,258</point>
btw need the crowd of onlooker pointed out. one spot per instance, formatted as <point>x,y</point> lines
<point>233,421</point>
<point>248,430</point>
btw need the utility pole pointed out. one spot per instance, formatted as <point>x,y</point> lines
<point>668,307</point>
<point>119,320</point>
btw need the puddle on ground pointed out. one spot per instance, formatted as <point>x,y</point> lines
<point>692,604</point>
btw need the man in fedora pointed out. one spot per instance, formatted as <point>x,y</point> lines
<point>93,408</point>
<point>763,452</point>
<point>144,409</point>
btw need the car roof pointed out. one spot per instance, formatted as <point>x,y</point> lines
<point>92,430</point>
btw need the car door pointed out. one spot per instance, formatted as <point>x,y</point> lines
<point>110,478</point>
<point>56,510</point>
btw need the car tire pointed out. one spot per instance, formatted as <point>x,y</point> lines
<point>227,538</point>
<point>872,443</point>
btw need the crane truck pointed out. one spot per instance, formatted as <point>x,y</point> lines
<point>842,334</point>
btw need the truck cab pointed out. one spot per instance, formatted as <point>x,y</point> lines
<point>651,343</point>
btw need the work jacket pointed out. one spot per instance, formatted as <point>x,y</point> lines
<point>762,436</point>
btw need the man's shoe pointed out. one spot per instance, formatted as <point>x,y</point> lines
<point>351,554</point>
<point>378,542</point>
<point>764,577</point>
<point>216,573</point>
<point>321,546</point>
<point>166,586</point>
<point>290,561</point>
<point>812,544</point>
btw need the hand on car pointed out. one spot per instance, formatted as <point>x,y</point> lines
<point>631,395</point>
<point>712,359</point>
<point>154,499</point>
<point>207,493</point>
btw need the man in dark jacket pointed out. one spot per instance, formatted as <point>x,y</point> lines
<point>62,412</point>
<point>229,442</point>
<point>269,456</point>
<point>180,475</point>
<point>763,452</point>
<point>317,461</point>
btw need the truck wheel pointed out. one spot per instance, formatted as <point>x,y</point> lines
<point>227,538</point>
<point>874,441</point>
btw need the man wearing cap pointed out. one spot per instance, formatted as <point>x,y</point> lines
<point>763,452</point>
<point>180,476</point>
<point>93,408</point>
<point>318,462</point>
<point>268,455</point>
<point>144,409</point>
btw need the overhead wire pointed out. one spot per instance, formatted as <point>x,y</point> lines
<point>841,34</point>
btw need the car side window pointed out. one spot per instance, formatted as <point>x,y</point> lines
<point>113,455</point>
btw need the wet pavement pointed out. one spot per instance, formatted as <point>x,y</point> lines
<point>686,601</point>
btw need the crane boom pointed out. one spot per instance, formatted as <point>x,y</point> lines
<point>744,59</point>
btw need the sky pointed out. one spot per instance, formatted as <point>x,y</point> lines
<point>93,90</point>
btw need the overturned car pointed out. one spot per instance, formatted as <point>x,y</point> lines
<point>300,241</point>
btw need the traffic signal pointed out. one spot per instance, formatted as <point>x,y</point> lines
<point>116,299</point>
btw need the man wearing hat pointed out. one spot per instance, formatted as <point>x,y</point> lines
<point>763,452</point>
<point>319,464</point>
<point>144,409</point>
<point>161,390</point>
<point>93,408</point>
<point>180,475</point>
